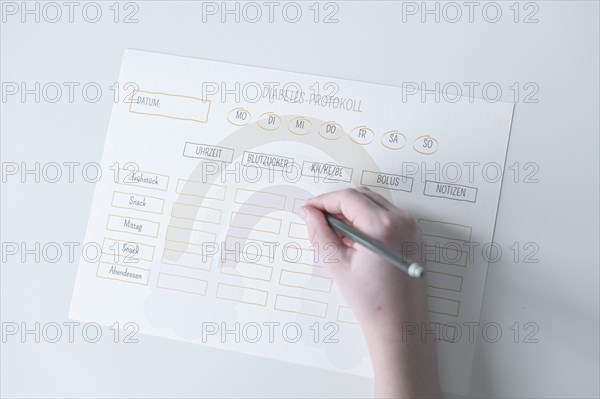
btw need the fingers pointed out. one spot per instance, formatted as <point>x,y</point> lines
<point>349,203</point>
<point>320,233</point>
<point>376,198</point>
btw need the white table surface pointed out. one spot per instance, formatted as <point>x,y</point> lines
<point>559,54</point>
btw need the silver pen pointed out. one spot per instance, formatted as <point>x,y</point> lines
<point>413,269</point>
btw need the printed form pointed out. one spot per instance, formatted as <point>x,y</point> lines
<point>197,227</point>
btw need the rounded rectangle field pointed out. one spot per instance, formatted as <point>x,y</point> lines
<point>196,212</point>
<point>327,171</point>
<point>186,284</point>
<point>129,250</point>
<point>252,270</point>
<point>136,226</point>
<point>387,181</point>
<point>140,178</point>
<point>138,202</point>
<point>238,293</point>
<point>260,198</point>
<point>260,223</point>
<point>126,274</point>
<point>172,106</point>
<point>308,307</point>
<point>441,305</point>
<point>305,281</point>
<point>454,192</point>
<point>201,189</point>
<point>210,152</point>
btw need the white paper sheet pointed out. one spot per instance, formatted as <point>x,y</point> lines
<point>194,155</point>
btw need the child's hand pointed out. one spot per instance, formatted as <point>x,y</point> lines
<point>383,298</point>
<point>379,293</point>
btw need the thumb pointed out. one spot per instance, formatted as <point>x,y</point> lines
<point>321,235</point>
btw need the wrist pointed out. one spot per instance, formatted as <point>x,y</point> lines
<point>404,360</point>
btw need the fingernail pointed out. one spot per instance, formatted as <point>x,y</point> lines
<point>302,213</point>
